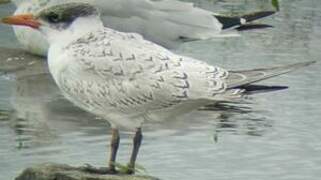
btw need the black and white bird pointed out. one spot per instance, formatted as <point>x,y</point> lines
<point>128,80</point>
<point>165,22</point>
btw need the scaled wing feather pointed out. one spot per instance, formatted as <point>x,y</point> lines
<point>140,75</point>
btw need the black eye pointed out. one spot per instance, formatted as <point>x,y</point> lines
<point>53,17</point>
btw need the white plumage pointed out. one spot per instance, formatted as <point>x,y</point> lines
<point>127,80</point>
<point>165,22</point>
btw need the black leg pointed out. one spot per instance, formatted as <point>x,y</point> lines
<point>114,144</point>
<point>136,144</point>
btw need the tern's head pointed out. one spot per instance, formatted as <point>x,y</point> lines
<point>59,18</point>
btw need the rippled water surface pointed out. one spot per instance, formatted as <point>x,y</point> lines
<point>271,136</point>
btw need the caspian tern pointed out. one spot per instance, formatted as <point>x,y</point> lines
<point>128,80</point>
<point>165,22</point>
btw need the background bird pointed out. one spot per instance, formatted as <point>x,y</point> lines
<point>167,22</point>
<point>128,80</point>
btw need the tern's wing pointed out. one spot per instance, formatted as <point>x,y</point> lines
<point>138,74</point>
<point>246,77</point>
<point>168,22</point>
<point>165,22</point>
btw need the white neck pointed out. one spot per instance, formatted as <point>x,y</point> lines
<point>78,28</point>
<point>59,40</point>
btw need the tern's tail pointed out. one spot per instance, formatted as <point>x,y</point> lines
<point>244,22</point>
<point>245,79</point>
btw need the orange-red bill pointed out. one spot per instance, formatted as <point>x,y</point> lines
<point>22,20</point>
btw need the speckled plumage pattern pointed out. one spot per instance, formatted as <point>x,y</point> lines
<point>126,79</point>
<point>120,74</point>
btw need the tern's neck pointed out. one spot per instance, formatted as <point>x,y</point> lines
<point>77,29</point>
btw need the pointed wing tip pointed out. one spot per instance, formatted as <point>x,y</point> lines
<point>257,15</point>
<point>249,76</point>
<point>247,27</point>
<point>256,89</point>
<point>310,63</point>
<point>304,64</point>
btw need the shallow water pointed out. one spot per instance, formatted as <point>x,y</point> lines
<point>271,136</point>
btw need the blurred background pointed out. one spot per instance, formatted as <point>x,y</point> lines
<point>269,136</point>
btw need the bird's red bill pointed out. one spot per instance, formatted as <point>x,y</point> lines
<point>22,20</point>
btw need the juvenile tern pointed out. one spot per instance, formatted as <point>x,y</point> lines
<point>165,22</point>
<point>128,80</point>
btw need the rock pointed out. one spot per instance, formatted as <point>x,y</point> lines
<point>50,171</point>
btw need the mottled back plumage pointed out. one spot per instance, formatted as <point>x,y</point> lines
<point>125,73</point>
<point>126,79</point>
